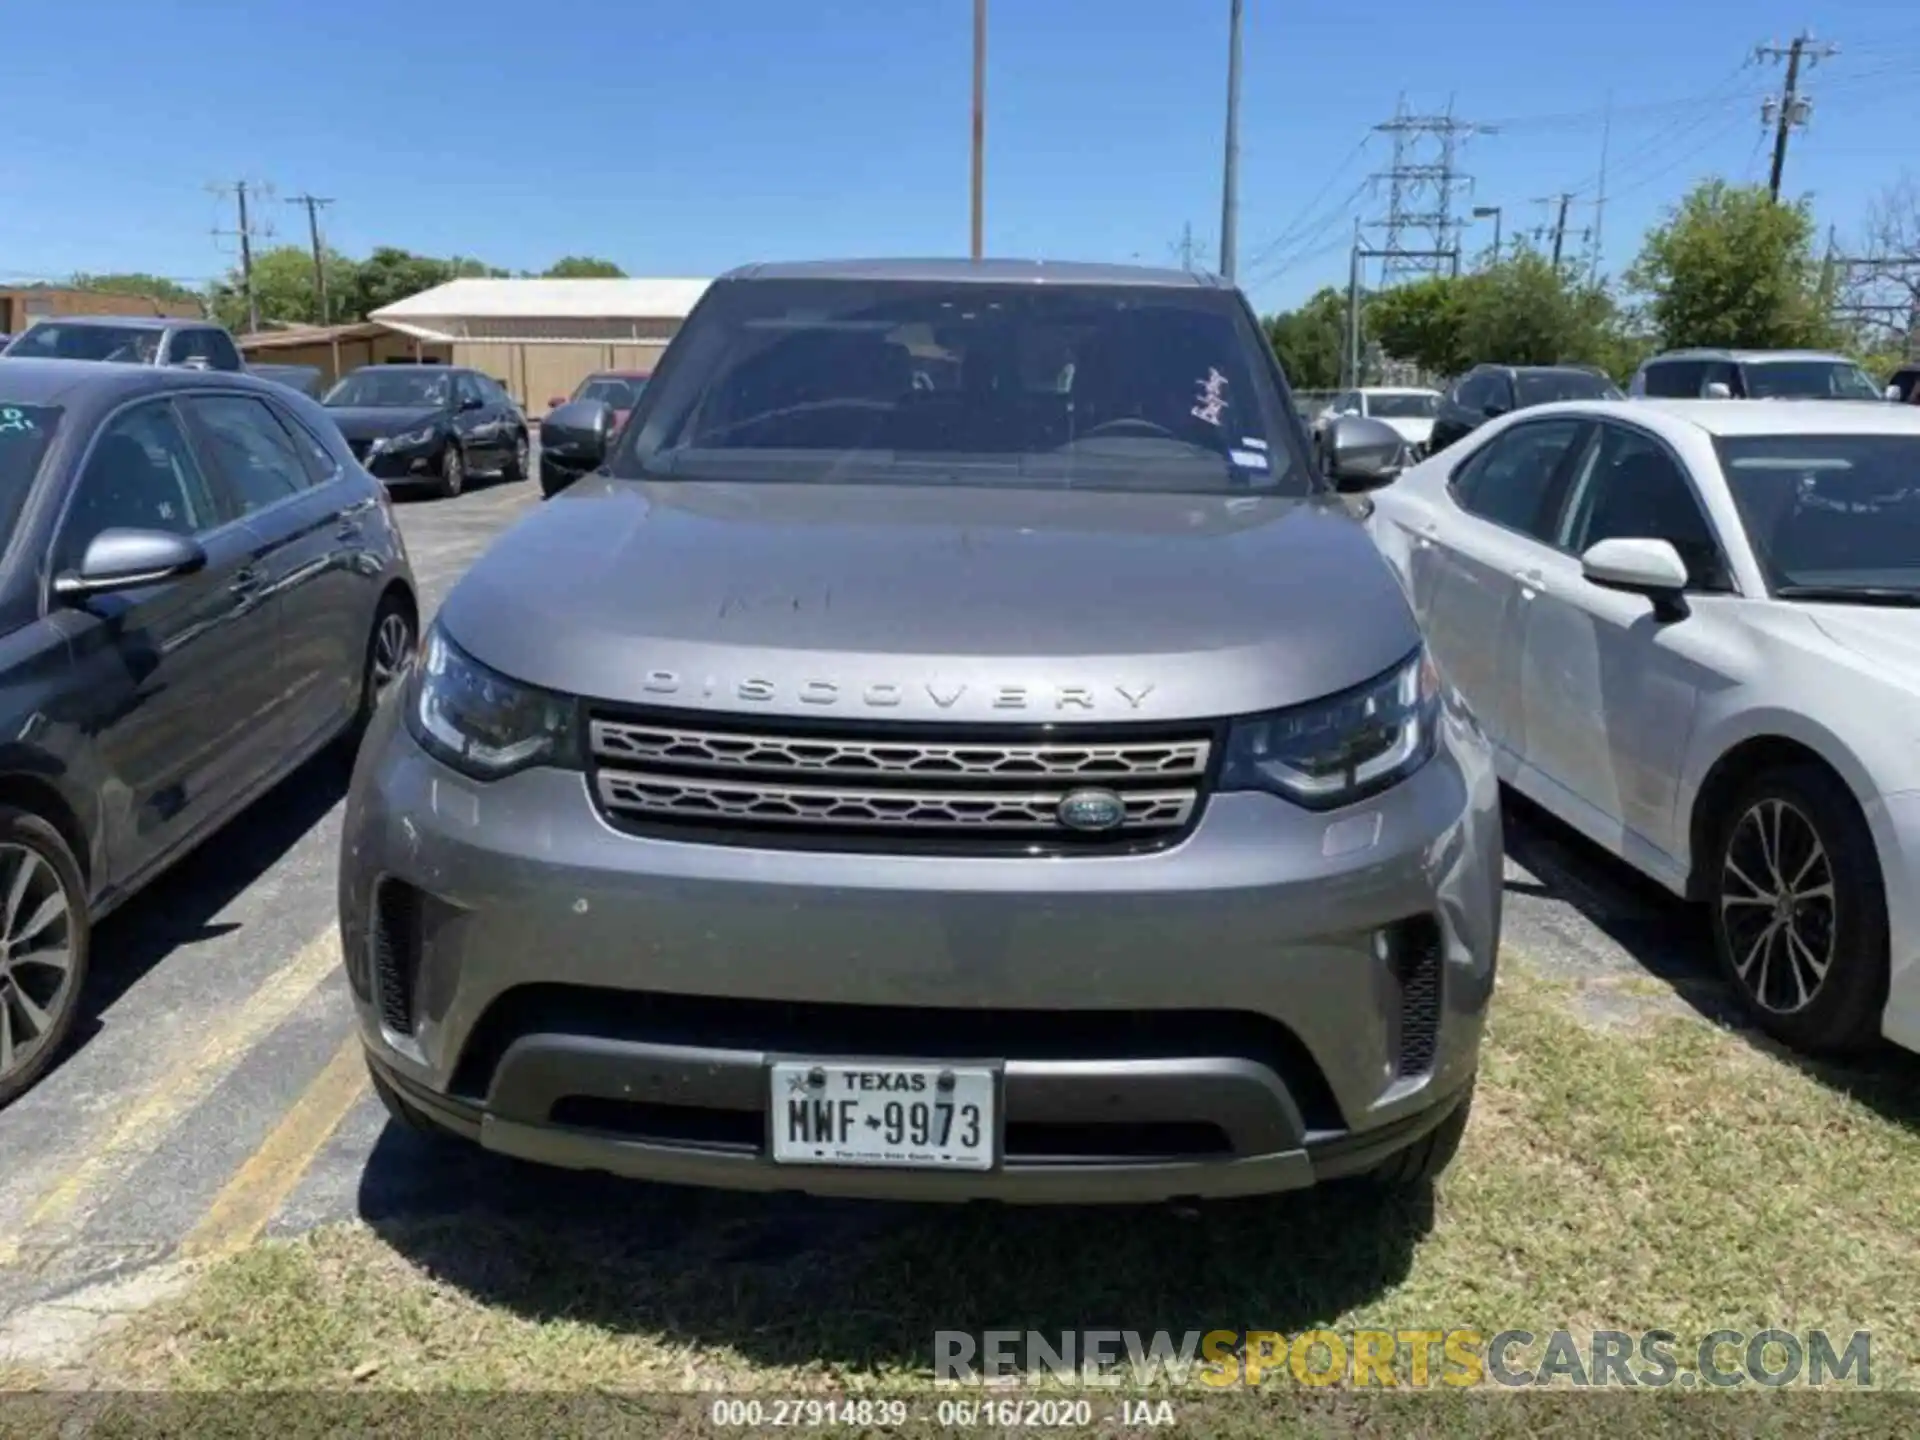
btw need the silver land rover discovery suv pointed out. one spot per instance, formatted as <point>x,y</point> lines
<point>956,745</point>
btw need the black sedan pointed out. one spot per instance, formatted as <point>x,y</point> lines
<point>199,589</point>
<point>1488,391</point>
<point>430,424</point>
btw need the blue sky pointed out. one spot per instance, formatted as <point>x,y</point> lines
<point>680,137</point>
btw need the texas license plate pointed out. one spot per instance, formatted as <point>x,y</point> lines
<point>931,1117</point>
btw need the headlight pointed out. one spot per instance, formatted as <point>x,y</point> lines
<point>413,439</point>
<point>481,723</point>
<point>1344,748</point>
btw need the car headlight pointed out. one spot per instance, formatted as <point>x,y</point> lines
<point>412,440</point>
<point>1344,748</point>
<point>481,723</point>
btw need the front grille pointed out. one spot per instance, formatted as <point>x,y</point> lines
<point>900,784</point>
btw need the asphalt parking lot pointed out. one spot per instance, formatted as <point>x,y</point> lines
<point>214,1092</point>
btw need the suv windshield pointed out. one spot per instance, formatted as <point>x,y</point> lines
<point>969,383</point>
<point>1810,380</point>
<point>123,344</point>
<point>1543,387</point>
<point>25,433</point>
<point>1829,511</point>
<point>391,387</point>
<point>1403,407</point>
<point>615,390</point>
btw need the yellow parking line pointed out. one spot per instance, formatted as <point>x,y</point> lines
<point>146,1119</point>
<point>258,1188</point>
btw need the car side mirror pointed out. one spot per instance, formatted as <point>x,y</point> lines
<point>1364,454</point>
<point>1640,567</point>
<point>578,433</point>
<point>1892,392</point>
<point>1717,390</point>
<point>556,402</point>
<point>128,559</point>
<point>471,402</point>
<point>1494,409</point>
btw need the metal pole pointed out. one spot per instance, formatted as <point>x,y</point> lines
<point>979,126</point>
<point>1352,368</point>
<point>246,261</point>
<point>1230,180</point>
<point>1496,234</point>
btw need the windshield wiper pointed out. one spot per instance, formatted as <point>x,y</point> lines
<point>1852,594</point>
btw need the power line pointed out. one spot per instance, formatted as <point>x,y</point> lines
<point>1334,215</point>
<point>1292,232</point>
<point>1793,109</point>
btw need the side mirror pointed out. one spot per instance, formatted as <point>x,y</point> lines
<point>556,402</point>
<point>1717,390</point>
<point>1892,392</point>
<point>471,402</point>
<point>128,559</point>
<point>578,433</point>
<point>1640,567</point>
<point>1364,454</point>
<point>1494,409</point>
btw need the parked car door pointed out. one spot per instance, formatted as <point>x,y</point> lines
<point>1488,543</point>
<point>1608,690</point>
<point>176,678</point>
<point>477,423</point>
<point>303,554</point>
<point>1462,409</point>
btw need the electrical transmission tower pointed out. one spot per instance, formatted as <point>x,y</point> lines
<point>1422,227</point>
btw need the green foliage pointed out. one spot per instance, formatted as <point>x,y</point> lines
<point>1729,266</point>
<point>1523,311</point>
<point>284,291</point>
<point>1309,341</point>
<point>583,267</point>
<point>1424,322</point>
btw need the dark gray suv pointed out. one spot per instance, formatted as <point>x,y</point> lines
<point>199,589</point>
<point>956,745</point>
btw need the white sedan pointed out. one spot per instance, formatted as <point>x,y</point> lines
<point>1407,410</point>
<point>1692,630</point>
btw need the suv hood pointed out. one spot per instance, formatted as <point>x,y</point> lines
<point>366,422</point>
<point>933,603</point>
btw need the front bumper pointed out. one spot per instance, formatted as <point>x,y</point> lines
<point>1212,1019</point>
<point>418,462</point>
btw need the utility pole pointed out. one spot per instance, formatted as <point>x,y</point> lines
<point>1186,246</point>
<point>1600,200</point>
<point>1560,229</point>
<point>979,126</point>
<point>240,189</point>
<point>1350,372</point>
<point>1791,108</point>
<point>1230,179</point>
<point>314,204</point>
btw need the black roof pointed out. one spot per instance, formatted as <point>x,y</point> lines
<point>63,382</point>
<point>123,322</point>
<point>1005,272</point>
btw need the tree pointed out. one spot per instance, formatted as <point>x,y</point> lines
<point>583,267</point>
<point>1731,266</point>
<point>135,282</point>
<point>391,274</point>
<point>1310,341</point>
<point>283,289</point>
<point>1425,322</point>
<point>1524,311</point>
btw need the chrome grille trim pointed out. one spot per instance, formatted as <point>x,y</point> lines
<point>627,743</point>
<point>689,798</point>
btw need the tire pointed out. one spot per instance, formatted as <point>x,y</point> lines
<point>52,993</point>
<point>453,472</point>
<point>517,466</point>
<point>1423,1162</point>
<point>390,645</point>
<point>1832,902</point>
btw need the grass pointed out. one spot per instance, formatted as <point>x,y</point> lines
<point>1668,1174</point>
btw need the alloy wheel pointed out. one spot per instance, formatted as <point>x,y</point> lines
<point>392,647</point>
<point>36,955</point>
<point>520,454</point>
<point>1777,906</point>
